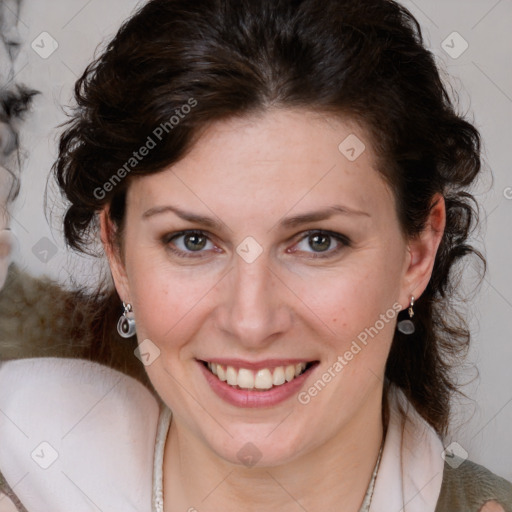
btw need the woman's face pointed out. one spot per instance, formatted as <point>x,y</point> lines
<point>254,285</point>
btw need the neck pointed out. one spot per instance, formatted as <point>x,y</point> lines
<point>334,475</point>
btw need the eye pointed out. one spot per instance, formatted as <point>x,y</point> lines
<point>194,243</point>
<point>323,242</point>
<point>186,243</point>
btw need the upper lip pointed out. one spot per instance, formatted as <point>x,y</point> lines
<point>256,365</point>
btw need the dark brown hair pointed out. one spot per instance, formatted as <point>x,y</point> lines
<point>364,61</point>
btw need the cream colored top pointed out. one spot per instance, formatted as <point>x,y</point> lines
<point>79,436</point>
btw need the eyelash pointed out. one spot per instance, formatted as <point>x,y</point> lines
<point>342,239</point>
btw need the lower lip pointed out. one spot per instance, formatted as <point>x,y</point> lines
<point>252,399</point>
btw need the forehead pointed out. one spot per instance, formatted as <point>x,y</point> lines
<point>278,135</point>
<point>272,160</point>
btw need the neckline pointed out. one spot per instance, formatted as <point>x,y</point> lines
<point>365,507</point>
<point>164,423</point>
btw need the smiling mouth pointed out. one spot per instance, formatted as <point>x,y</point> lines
<point>258,380</point>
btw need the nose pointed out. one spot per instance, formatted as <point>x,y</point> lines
<point>255,309</point>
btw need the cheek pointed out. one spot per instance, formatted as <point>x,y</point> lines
<point>167,302</point>
<point>358,309</point>
<point>351,296</point>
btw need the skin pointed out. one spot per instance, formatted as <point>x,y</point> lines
<point>492,506</point>
<point>250,173</point>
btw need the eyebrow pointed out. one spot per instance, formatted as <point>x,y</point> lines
<point>289,222</point>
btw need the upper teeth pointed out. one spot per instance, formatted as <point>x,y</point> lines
<point>264,378</point>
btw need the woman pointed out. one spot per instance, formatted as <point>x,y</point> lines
<point>281,191</point>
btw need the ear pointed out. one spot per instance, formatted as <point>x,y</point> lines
<point>422,251</point>
<point>116,263</point>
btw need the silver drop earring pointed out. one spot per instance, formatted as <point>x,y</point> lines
<point>407,326</point>
<point>126,323</point>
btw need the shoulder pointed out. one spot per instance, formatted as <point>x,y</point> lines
<point>35,317</point>
<point>41,317</point>
<point>72,428</point>
<point>470,487</point>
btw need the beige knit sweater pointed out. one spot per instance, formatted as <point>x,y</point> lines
<point>35,322</point>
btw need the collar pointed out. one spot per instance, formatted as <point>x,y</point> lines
<point>72,431</point>
<point>108,421</point>
<point>411,468</point>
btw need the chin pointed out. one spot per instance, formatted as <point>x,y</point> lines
<point>258,447</point>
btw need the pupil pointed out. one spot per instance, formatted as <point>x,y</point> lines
<point>195,245</point>
<point>323,239</point>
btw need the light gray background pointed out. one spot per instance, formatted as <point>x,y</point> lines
<point>482,76</point>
